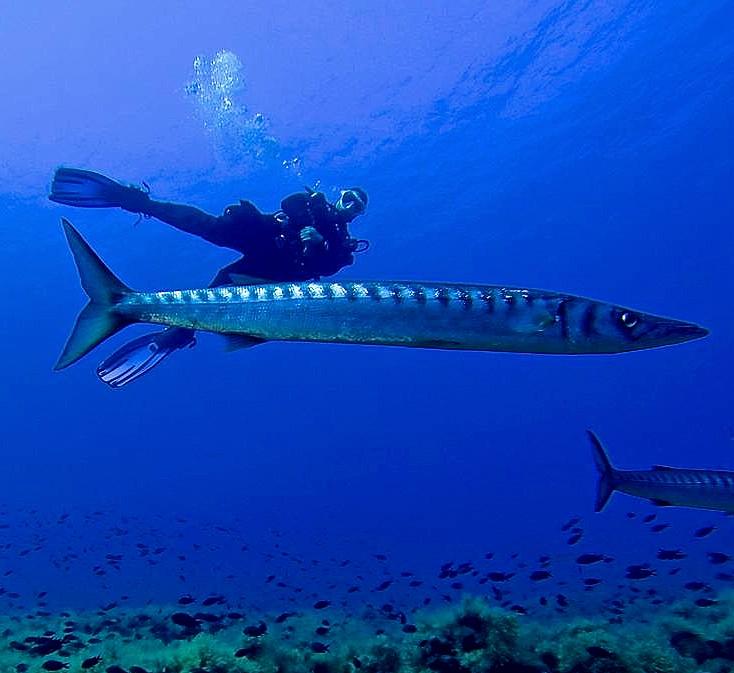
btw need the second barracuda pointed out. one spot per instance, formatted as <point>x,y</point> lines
<point>396,313</point>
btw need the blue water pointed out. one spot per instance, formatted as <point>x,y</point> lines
<point>576,146</point>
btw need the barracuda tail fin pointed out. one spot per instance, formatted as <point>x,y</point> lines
<point>606,485</point>
<point>97,320</point>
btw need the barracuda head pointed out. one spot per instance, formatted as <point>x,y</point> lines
<point>632,330</point>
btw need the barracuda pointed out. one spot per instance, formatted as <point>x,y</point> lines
<point>664,486</point>
<point>418,315</point>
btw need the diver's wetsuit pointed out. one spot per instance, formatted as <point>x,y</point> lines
<point>270,243</point>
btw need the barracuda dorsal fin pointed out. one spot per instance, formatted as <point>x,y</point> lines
<point>661,503</point>
<point>664,468</point>
<point>235,342</point>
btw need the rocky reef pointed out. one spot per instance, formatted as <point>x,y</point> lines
<point>471,637</point>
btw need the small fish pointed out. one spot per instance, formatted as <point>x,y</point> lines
<point>256,630</point>
<point>318,647</point>
<point>639,572</point>
<point>704,532</point>
<point>91,662</point>
<point>717,557</point>
<point>184,619</point>
<point>54,665</point>
<point>539,575</point>
<point>664,486</point>
<point>696,586</point>
<point>671,555</point>
<point>591,558</point>
<point>213,600</point>
<point>705,602</point>
<point>500,576</point>
<point>570,524</point>
<point>321,605</point>
<point>659,527</point>
<point>574,539</point>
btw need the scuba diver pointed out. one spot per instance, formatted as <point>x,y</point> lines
<point>306,239</point>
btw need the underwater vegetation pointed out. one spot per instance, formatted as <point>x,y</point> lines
<point>469,637</point>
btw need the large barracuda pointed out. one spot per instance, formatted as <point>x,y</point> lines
<point>418,315</point>
<point>663,485</point>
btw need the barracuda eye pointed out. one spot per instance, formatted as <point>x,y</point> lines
<point>628,319</point>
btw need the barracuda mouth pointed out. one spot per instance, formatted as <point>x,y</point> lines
<point>665,332</point>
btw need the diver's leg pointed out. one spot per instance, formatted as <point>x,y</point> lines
<point>88,189</point>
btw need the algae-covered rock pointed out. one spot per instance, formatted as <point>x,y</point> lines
<point>473,637</point>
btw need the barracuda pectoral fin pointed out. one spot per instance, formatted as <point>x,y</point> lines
<point>537,323</point>
<point>242,279</point>
<point>235,342</point>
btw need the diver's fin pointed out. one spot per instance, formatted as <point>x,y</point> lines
<point>236,342</point>
<point>86,189</point>
<point>98,320</point>
<point>606,486</point>
<point>139,356</point>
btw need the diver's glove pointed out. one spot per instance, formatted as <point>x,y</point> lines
<point>139,356</point>
<point>87,189</point>
<point>311,239</point>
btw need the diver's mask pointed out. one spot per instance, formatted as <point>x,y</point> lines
<point>352,202</point>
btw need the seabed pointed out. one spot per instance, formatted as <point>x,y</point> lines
<point>470,637</point>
